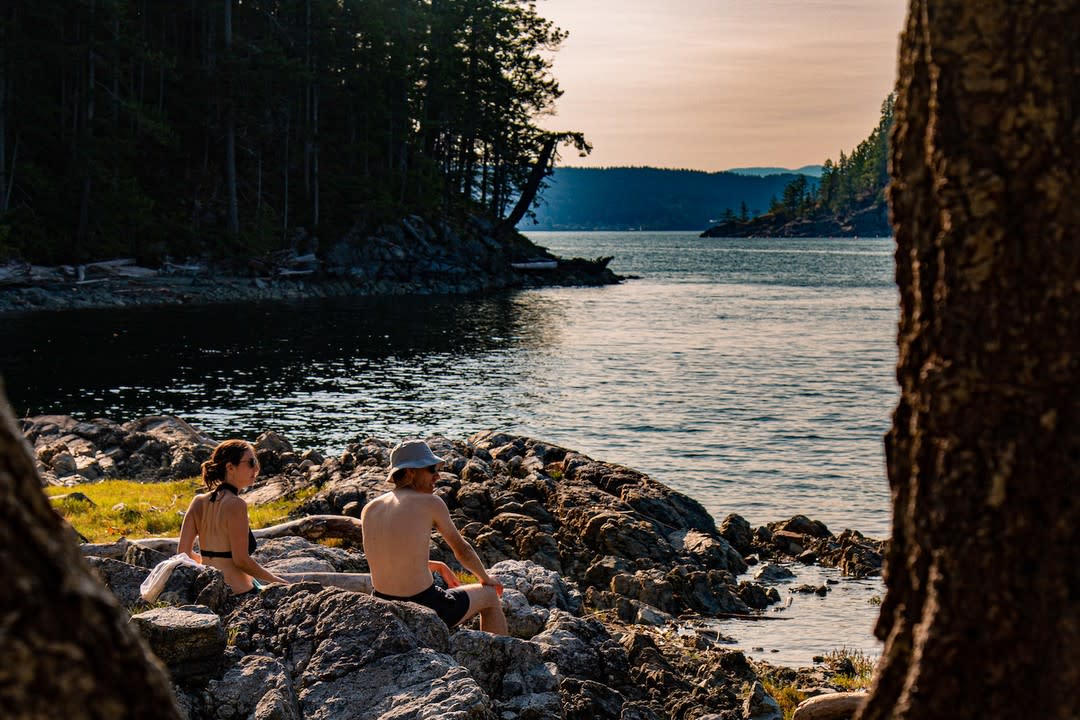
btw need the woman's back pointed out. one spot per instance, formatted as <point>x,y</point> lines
<point>214,514</point>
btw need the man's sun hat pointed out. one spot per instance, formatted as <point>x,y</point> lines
<point>411,454</point>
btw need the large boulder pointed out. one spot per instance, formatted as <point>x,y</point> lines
<point>190,640</point>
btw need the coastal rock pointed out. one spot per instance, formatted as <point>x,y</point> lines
<point>154,448</point>
<point>345,651</point>
<point>511,672</point>
<point>771,573</point>
<point>190,640</point>
<point>539,585</point>
<point>584,649</point>
<point>187,585</point>
<point>760,705</point>
<point>736,530</point>
<point>410,256</point>
<point>256,686</point>
<point>564,534</point>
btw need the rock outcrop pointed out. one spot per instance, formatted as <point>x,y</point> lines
<point>606,572</point>
<point>411,256</point>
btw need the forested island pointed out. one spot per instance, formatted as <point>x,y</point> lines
<point>848,200</point>
<point>218,132</point>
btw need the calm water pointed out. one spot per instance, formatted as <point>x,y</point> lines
<point>755,375</point>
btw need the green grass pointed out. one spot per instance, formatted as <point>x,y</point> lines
<point>278,511</point>
<point>125,508</point>
<point>785,695</point>
<point>854,669</point>
<point>851,670</point>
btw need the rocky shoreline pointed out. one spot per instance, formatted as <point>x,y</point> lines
<point>408,257</point>
<point>870,220</point>
<point>610,577</point>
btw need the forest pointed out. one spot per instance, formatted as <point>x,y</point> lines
<point>645,198</point>
<point>849,197</point>
<point>218,128</point>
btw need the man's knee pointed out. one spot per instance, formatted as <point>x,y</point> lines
<point>485,597</point>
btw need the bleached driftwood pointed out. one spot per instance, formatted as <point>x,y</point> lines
<point>835,706</point>
<point>316,527</point>
<point>312,527</point>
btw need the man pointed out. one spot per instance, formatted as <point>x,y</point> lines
<point>397,529</point>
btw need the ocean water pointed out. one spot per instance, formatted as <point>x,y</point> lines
<point>755,375</point>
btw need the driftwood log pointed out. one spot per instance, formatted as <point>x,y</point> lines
<point>312,527</point>
<point>835,706</point>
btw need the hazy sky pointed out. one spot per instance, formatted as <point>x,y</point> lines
<point>715,84</point>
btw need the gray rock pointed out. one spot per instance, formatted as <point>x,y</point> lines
<point>63,464</point>
<point>258,686</point>
<point>771,573</point>
<point>539,585</point>
<point>418,683</point>
<point>584,649</point>
<point>120,578</point>
<point>522,619</point>
<point>737,531</point>
<point>759,705</point>
<point>511,672</point>
<point>190,640</point>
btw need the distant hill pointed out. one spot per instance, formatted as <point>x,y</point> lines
<point>811,170</point>
<point>848,199</point>
<point>633,198</point>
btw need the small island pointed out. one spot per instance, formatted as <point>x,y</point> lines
<point>847,201</point>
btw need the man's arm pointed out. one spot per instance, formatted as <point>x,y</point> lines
<point>463,551</point>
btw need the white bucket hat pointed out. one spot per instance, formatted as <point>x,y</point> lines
<point>411,454</point>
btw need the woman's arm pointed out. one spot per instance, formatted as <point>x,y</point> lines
<point>188,531</point>
<point>236,518</point>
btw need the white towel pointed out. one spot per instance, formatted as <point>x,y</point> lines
<point>155,582</point>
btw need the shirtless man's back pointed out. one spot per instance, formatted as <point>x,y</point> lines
<point>397,531</point>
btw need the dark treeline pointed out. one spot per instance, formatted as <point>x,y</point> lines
<point>848,198</point>
<point>220,127</point>
<point>645,198</point>
<point>848,184</point>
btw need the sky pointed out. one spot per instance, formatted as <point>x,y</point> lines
<point>716,84</point>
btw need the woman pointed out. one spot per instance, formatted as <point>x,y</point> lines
<point>219,518</point>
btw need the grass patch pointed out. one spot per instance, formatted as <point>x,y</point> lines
<point>848,670</point>
<point>854,669</point>
<point>109,510</point>
<point>278,511</point>
<point>124,508</point>
<point>785,695</point>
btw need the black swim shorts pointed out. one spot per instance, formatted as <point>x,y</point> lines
<point>450,605</point>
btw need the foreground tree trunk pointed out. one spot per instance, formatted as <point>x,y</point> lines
<point>66,648</point>
<point>981,618</point>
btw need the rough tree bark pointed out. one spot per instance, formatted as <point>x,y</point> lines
<point>980,618</point>
<point>66,648</point>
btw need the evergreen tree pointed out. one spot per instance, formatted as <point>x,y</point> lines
<point>214,128</point>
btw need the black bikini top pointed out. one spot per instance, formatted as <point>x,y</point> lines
<point>251,536</point>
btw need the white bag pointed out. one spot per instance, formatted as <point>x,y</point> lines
<point>155,582</point>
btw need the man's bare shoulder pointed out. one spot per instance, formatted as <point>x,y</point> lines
<point>409,498</point>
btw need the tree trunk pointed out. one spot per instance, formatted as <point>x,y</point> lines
<point>528,193</point>
<point>68,649</point>
<point>3,110</point>
<point>230,127</point>
<point>980,618</point>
